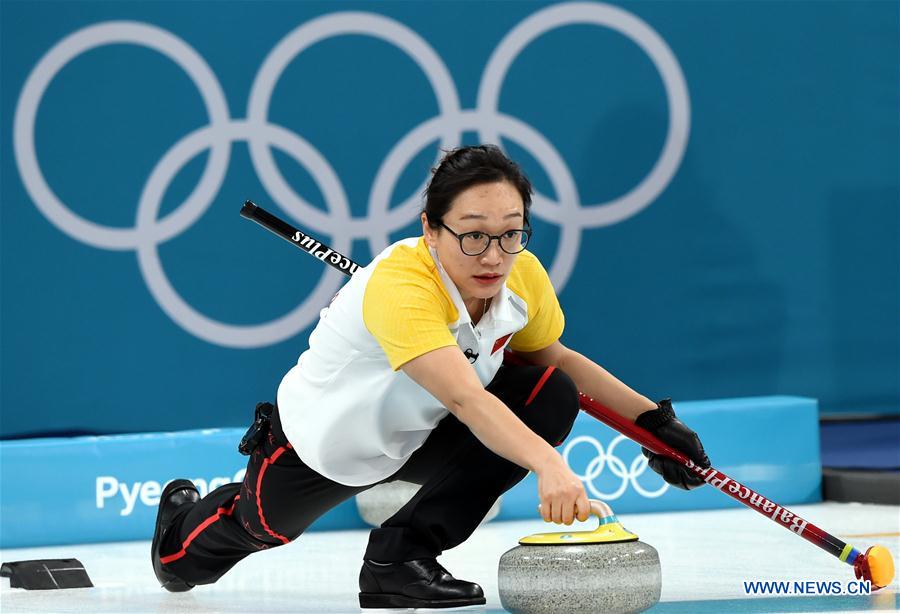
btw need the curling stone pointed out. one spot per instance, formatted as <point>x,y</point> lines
<point>605,570</point>
<point>380,502</point>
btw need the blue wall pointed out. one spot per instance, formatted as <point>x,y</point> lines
<point>761,257</point>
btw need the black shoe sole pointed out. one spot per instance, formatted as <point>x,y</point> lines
<point>167,580</point>
<point>390,600</point>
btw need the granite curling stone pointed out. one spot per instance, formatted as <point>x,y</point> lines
<point>605,570</point>
<point>380,502</point>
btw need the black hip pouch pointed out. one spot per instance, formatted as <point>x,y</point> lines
<point>259,429</point>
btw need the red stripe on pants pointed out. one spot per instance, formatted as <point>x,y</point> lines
<point>539,385</point>
<point>193,535</point>
<point>262,519</point>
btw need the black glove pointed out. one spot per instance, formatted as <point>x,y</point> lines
<point>663,423</point>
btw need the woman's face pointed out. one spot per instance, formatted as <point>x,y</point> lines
<point>491,208</point>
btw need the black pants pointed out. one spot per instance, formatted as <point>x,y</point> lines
<point>280,496</point>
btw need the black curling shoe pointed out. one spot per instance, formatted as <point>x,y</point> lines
<point>422,583</point>
<point>175,496</point>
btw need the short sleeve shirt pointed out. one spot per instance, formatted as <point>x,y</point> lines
<point>349,411</point>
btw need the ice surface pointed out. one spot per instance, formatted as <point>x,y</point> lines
<point>705,557</point>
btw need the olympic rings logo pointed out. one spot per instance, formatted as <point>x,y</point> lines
<point>607,458</point>
<point>261,136</point>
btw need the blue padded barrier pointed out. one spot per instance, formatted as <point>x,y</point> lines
<point>91,489</point>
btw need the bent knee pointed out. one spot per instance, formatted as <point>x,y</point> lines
<point>259,528</point>
<point>554,408</point>
<point>563,388</point>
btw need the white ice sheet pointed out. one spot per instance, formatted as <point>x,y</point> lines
<point>705,557</point>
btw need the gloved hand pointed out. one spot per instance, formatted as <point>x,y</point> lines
<point>663,423</point>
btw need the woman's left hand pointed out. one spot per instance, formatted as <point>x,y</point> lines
<point>663,423</point>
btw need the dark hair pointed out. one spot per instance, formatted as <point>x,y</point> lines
<point>464,167</point>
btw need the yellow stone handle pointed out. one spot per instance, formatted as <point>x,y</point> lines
<point>610,530</point>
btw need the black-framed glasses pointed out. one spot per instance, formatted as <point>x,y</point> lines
<point>476,242</point>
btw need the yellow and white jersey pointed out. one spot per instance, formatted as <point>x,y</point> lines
<point>348,410</point>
